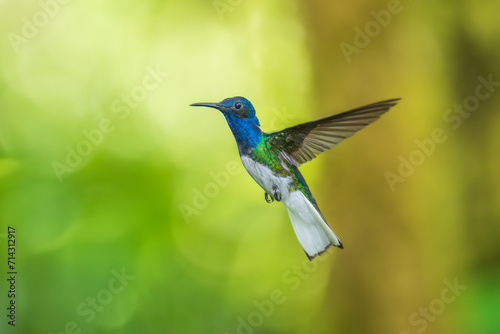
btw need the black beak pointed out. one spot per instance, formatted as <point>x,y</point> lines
<point>210,105</point>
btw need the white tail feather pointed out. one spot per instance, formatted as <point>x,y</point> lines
<point>313,232</point>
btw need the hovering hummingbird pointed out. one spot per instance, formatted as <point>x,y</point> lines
<point>272,159</point>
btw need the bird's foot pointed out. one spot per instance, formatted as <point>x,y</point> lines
<point>277,193</point>
<point>267,196</point>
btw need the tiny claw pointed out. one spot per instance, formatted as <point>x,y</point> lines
<point>266,196</point>
<point>277,193</point>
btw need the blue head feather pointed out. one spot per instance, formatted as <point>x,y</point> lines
<point>240,115</point>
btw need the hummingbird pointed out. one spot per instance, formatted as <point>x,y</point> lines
<point>273,160</point>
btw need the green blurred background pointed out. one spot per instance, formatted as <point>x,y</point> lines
<point>133,213</point>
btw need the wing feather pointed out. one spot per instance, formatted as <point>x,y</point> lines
<point>303,142</point>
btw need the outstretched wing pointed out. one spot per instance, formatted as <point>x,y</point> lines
<point>303,142</point>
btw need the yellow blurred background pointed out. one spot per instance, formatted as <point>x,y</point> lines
<point>133,213</point>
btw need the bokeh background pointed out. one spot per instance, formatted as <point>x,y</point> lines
<point>133,213</point>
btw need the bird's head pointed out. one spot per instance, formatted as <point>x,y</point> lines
<point>240,116</point>
<point>233,107</point>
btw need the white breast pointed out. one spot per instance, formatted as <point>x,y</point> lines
<point>265,177</point>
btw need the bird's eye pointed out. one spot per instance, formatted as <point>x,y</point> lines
<point>237,105</point>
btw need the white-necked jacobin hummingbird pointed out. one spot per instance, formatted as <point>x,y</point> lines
<point>272,159</point>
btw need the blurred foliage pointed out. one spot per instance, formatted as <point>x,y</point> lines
<point>133,213</point>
